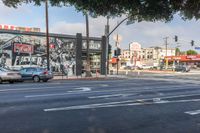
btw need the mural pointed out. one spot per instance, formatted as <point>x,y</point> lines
<point>24,50</point>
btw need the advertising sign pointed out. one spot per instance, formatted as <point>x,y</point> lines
<point>23,48</point>
<point>135,46</point>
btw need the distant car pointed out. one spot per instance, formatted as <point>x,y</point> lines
<point>36,74</point>
<point>127,68</point>
<point>132,68</point>
<point>182,68</point>
<point>146,67</point>
<point>9,76</point>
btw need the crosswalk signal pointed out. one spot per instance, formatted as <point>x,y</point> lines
<point>176,38</point>
<point>192,43</point>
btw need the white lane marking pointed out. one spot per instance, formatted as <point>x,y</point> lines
<point>81,89</point>
<point>104,85</point>
<point>27,89</point>
<point>194,112</point>
<point>46,95</point>
<point>42,88</point>
<point>115,104</point>
<point>108,96</point>
<point>106,91</point>
<point>86,106</point>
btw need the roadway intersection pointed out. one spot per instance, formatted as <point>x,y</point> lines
<point>153,104</point>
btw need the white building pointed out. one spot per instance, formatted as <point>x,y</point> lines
<point>137,56</point>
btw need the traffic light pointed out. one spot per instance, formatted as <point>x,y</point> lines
<point>109,49</point>
<point>117,52</point>
<point>176,38</point>
<point>192,43</point>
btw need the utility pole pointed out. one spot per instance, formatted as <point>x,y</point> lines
<point>107,27</point>
<point>166,44</point>
<point>47,33</point>
<point>88,73</point>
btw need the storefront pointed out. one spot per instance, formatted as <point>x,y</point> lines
<point>184,59</point>
<point>67,52</point>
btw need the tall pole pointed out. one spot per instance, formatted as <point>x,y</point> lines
<point>47,33</point>
<point>88,73</point>
<point>107,43</point>
<point>166,44</point>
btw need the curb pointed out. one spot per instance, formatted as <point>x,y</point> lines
<point>95,78</point>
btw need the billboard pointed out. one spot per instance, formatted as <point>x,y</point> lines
<point>23,48</point>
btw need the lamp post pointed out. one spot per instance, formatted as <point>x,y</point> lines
<point>47,33</point>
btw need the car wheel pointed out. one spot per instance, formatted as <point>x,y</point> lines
<point>36,79</point>
<point>45,80</point>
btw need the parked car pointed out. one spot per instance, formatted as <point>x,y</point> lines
<point>9,76</point>
<point>146,67</point>
<point>36,74</point>
<point>182,68</point>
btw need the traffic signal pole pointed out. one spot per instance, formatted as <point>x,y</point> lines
<point>108,33</point>
<point>166,44</point>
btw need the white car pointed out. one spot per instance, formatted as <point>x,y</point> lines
<point>10,76</point>
<point>146,67</point>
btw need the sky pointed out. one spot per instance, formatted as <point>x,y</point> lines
<point>67,20</point>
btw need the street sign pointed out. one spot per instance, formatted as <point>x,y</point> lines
<point>197,48</point>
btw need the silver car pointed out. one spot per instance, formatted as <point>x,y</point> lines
<point>8,75</point>
<point>36,74</point>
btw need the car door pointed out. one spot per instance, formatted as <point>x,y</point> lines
<point>23,73</point>
<point>27,73</point>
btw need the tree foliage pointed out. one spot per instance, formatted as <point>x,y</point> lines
<point>191,52</point>
<point>178,51</point>
<point>137,10</point>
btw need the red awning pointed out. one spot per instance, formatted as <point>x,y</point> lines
<point>184,58</point>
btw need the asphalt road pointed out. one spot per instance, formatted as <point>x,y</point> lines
<point>160,104</point>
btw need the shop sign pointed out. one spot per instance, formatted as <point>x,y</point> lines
<point>191,56</point>
<point>94,45</point>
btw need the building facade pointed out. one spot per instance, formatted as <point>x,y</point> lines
<point>67,52</point>
<point>151,56</point>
